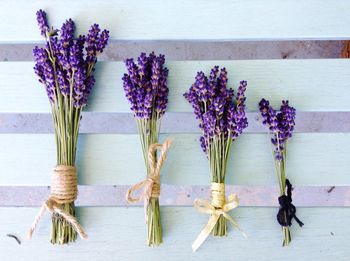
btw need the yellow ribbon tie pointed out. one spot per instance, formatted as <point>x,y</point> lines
<point>151,185</point>
<point>212,209</point>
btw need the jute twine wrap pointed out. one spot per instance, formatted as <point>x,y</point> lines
<point>151,185</point>
<point>219,206</point>
<point>64,189</point>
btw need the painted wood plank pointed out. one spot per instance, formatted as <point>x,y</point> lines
<point>120,234</point>
<point>124,123</point>
<point>102,159</point>
<point>301,81</point>
<point>114,196</point>
<point>226,19</point>
<point>182,50</point>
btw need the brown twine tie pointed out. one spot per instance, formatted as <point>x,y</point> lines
<point>151,184</point>
<point>64,189</point>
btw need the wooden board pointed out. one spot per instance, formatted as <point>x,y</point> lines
<point>172,122</point>
<point>310,85</point>
<point>196,19</point>
<point>114,196</point>
<point>102,159</point>
<point>182,50</point>
<point>195,35</point>
<point>119,234</point>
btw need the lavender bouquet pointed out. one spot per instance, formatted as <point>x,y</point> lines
<point>65,67</point>
<point>222,119</point>
<point>145,86</point>
<point>281,125</point>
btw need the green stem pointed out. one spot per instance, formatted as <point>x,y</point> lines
<point>218,158</point>
<point>280,166</point>
<point>148,132</point>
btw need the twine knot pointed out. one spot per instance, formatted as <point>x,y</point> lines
<point>64,189</point>
<point>151,185</point>
<point>218,206</point>
<point>287,210</point>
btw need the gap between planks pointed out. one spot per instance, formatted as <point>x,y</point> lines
<point>181,195</point>
<point>182,50</point>
<point>172,122</point>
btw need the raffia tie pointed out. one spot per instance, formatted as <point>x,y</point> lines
<point>151,185</point>
<point>218,206</point>
<point>63,190</point>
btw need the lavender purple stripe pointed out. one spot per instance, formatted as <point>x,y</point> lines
<point>173,122</point>
<point>114,195</point>
<point>182,50</point>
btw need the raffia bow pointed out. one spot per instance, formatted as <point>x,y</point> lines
<point>151,185</point>
<point>63,190</point>
<point>219,206</point>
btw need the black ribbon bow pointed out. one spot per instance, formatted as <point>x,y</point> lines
<point>287,210</point>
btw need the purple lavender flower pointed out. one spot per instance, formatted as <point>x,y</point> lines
<point>214,106</point>
<point>43,69</point>
<point>145,85</point>
<point>67,33</point>
<point>96,41</point>
<point>42,22</point>
<point>72,61</point>
<point>281,124</point>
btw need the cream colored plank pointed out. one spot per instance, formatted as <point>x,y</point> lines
<point>317,85</point>
<point>314,159</point>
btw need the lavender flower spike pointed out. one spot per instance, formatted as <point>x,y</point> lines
<point>42,22</point>
<point>281,124</point>
<point>145,85</point>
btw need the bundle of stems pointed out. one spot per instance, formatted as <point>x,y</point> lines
<point>149,132</point>
<point>281,126</point>
<point>221,116</point>
<point>66,120</point>
<point>65,67</point>
<point>145,86</point>
<point>218,154</point>
<point>280,166</point>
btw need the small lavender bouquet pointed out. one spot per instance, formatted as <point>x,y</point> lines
<point>65,67</point>
<point>281,125</point>
<point>145,86</point>
<point>222,119</point>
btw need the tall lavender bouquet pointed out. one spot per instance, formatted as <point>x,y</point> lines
<point>145,86</point>
<point>281,125</point>
<point>65,67</point>
<point>222,119</point>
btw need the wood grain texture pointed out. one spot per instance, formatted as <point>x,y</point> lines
<point>102,159</point>
<point>310,85</point>
<point>114,196</point>
<point>157,19</point>
<point>124,123</point>
<point>182,50</point>
<point>119,234</point>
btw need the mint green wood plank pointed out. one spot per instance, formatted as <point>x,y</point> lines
<point>149,19</point>
<point>119,234</point>
<point>314,159</point>
<point>317,85</point>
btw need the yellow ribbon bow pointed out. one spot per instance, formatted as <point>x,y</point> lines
<point>204,206</point>
<point>151,184</point>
